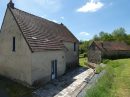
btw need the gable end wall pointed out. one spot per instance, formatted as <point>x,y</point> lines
<point>94,54</point>
<point>15,65</point>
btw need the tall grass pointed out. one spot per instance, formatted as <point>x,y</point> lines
<point>104,84</point>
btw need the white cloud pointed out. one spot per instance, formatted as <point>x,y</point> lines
<point>91,6</point>
<point>84,33</point>
<point>62,18</point>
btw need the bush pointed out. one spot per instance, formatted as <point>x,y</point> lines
<point>99,69</point>
<point>85,63</point>
<point>81,56</point>
<point>105,61</point>
<point>85,55</point>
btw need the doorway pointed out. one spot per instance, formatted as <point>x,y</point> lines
<point>53,69</point>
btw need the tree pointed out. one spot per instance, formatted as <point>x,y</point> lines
<point>96,38</point>
<point>128,39</point>
<point>83,47</point>
<point>119,34</point>
<point>104,36</point>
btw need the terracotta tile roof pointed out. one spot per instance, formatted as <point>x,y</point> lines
<point>112,46</point>
<point>42,34</point>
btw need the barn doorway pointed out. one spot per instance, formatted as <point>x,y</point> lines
<point>53,69</point>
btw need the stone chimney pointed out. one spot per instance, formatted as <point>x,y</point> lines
<point>11,4</point>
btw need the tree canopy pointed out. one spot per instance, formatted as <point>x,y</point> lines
<point>118,34</point>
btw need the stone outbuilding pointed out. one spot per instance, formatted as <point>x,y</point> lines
<point>34,50</point>
<point>98,51</point>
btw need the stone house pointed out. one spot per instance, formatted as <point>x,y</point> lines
<point>34,50</point>
<point>107,50</point>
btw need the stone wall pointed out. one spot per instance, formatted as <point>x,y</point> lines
<point>72,57</point>
<point>116,54</point>
<point>94,56</point>
<point>14,64</point>
<point>41,65</point>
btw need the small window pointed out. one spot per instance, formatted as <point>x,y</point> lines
<point>14,45</point>
<point>74,46</point>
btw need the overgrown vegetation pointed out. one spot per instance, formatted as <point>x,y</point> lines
<point>99,69</point>
<point>115,82</point>
<point>103,86</point>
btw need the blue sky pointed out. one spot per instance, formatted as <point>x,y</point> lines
<point>84,18</point>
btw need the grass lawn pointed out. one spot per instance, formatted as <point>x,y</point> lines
<point>83,61</point>
<point>121,84</point>
<point>115,82</point>
<point>13,89</point>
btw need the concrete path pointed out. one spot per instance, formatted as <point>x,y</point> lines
<point>68,85</point>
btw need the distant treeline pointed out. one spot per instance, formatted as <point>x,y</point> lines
<point>117,35</point>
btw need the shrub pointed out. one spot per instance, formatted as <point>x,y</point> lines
<point>81,56</point>
<point>99,69</point>
<point>85,63</point>
<point>85,55</point>
<point>105,61</point>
